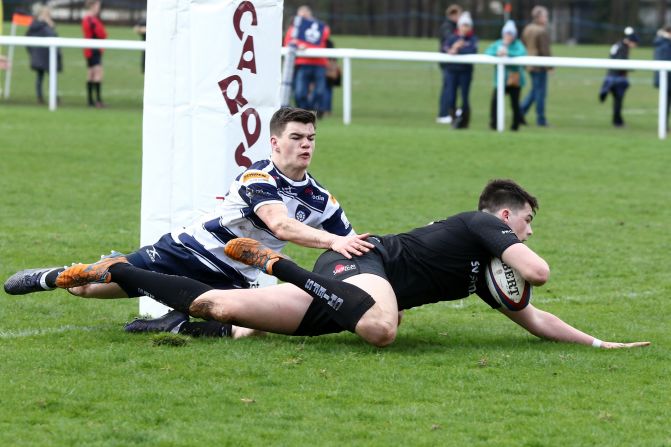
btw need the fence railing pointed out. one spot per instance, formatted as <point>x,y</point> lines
<point>420,56</point>
<point>347,54</point>
<point>53,43</point>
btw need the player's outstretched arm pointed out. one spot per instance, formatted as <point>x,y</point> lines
<point>288,229</point>
<point>546,325</point>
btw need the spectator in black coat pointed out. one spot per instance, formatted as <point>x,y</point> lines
<point>662,45</point>
<point>42,26</point>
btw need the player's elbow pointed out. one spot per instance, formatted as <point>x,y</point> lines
<point>538,274</point>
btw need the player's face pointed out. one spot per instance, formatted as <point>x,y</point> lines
<point>520,221</point>
<point>292,151</point>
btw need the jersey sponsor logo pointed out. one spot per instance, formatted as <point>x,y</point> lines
<point>255,175</point>
<point>152,253</point>
<point>257,192</point>
<point>341,268</point>
<point>473,276</point>
<point>333,300</point>
<point>311,193</point>
<point>302,213</point>
<point>506,231</point>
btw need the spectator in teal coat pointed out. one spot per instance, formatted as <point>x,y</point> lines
<point>509,46</point>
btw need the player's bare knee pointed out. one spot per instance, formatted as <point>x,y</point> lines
<point>378,332</point>
<point>85,291</point>
<point>209,307</point>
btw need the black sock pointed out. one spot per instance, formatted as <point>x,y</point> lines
<point>89,89</point>
<point>206,329</point>
<point>344,301</point>
<point>177,292</point>
<point>50,279</point>
<point>98,86</point>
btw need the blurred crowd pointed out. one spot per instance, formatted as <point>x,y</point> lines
<point>313,79</point>
<point>457,36</point>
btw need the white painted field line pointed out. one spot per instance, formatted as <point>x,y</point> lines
<point>43,331</point>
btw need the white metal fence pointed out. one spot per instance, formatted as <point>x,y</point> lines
<point>347,54</point>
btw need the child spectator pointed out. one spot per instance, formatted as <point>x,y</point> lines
<point>508,46</point>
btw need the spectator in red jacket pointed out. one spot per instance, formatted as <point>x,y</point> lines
<point>93,28</point>
<point>311,33</point>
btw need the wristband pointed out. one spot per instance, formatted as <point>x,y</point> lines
<point>596,343</point>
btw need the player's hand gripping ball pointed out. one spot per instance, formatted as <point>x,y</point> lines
<point>507,286</point>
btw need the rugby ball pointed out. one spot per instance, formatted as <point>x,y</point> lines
<point>507,286</point>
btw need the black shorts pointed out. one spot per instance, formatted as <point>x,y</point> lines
<point>95,59</point>
<point>333,265</point>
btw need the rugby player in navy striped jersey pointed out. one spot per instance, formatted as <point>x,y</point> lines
<point>274,201</point>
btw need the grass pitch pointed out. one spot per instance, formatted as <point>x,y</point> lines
<point>458,374</point>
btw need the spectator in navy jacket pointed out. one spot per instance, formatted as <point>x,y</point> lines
<point>459,76</point>
<point>447,29</point>
<point>616,81</point>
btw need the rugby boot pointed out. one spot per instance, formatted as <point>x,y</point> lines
<point>81,274</point>
<point>253,253</point>
<point>28,281</point>
<point>167,323</point>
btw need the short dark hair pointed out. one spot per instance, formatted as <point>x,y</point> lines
<point>501,193</point>
<point>453,10</point>
<point>287,115</point>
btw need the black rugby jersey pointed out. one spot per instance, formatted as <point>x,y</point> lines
<point>445,260</point>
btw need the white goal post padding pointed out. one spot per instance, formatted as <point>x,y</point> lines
<point>212,83</point>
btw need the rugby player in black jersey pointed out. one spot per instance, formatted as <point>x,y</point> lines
<point>445,260</point>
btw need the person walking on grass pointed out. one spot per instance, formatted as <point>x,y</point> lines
<point>445,260</point>
<point>616,82</point>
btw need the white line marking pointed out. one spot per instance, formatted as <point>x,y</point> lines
<point>43,331</point>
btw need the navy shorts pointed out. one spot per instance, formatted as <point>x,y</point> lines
<point>333,265</point>
<point>95,59</point>
<point>168,257</point>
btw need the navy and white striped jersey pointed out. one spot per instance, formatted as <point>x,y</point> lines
<point>261,184</point>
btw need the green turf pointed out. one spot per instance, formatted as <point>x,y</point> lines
<point>459,373</point>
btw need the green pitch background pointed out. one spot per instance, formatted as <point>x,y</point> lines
<point>459,373</point>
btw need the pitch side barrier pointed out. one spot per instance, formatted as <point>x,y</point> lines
<point>423,56</point>
<point>347,54</point>
<point>53,43</point>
